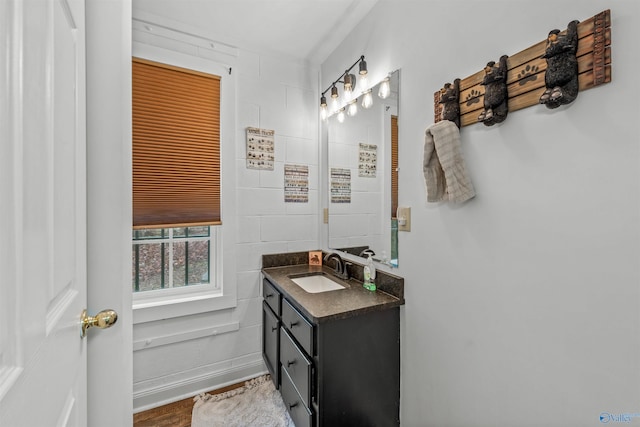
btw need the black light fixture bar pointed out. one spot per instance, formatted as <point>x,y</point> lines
<point>363,70</point>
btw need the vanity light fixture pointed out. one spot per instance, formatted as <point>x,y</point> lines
<point>363,74</point>
<point>349,81</point>
<point>323,108</point>
<point>362,67</point>
<point>334,91</point>
<point>334,99</point>
<point>349,84</point>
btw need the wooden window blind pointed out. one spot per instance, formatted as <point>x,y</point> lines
<point>394,166</point>
<point>176,146</point>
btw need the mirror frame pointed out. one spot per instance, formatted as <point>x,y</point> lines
<point>389,234</point>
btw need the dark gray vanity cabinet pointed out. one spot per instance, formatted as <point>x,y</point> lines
<point>343,371</point>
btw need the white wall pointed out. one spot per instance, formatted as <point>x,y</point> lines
<point>273,92</point>
<point>522,305</point>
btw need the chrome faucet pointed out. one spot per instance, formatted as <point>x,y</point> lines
<point>366,252</point>
<point>340,265</point>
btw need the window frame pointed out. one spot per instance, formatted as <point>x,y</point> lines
<point>193,299</point>
<point>189,293</point>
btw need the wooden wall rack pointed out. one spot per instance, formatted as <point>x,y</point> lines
<point>525,78</point>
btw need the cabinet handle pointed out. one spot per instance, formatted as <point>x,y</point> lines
<point>290,362</point>
<point>292,324</point>
<point>293,405</point>
<point>268,296</point>
<point>274,328</point>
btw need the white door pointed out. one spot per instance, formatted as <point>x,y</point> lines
<point>109,219</point>
<point>43,364</point>
<point>45,377</point>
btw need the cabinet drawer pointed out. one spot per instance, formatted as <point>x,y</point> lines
<point>300,414</point>
<point>271,296</point>
<point>298,327</point>
<point>297,365</point>
<point>271,342</point>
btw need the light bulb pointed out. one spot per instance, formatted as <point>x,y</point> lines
<point>334,105</point>
<point>341,116</point>
<point>347,96</point>
<point>367,99</point>
<point>363,81</point>
<point>385,89</point>
<point>352,110</point>
<point>323,107</point>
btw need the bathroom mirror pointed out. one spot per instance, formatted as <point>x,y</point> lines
<point>363,171</point>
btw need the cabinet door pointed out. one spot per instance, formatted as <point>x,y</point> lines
<point>297,365</point>
<point>271,343</point>
<point>299,328</point>
<point>300,414</point>
<point>271,296</point>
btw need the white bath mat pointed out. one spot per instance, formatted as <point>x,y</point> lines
<point>256,404</point>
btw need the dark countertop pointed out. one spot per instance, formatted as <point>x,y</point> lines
<point>323,306</point>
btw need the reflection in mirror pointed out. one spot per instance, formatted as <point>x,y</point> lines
<point>363,178</point>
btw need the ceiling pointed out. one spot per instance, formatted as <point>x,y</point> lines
<point>304,29</point>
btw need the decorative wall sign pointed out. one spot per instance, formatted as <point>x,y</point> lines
<point>527,69</point>
<point>367,160</point>
<point>296,183</point>
<point>340,185</point>
<point>315,257</point>
<point>260,149</point>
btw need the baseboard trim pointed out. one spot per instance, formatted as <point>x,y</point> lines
<point>170,392</point>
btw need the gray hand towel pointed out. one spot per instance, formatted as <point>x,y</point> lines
<point>444,169</point>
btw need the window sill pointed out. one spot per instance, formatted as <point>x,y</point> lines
<point>165,305</point>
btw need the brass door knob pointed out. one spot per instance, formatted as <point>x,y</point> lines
<point>103,320</point>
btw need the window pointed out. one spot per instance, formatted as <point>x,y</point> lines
<point>166,258</point>
<point>177,284</point>
<point>176,174</point>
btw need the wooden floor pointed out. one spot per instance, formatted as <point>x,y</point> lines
<point>177,414</point>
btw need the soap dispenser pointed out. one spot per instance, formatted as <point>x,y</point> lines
<point>369,275</point>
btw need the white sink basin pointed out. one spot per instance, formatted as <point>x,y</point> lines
<point>317,283</point>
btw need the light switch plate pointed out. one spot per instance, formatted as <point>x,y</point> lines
<point>404,218</point>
